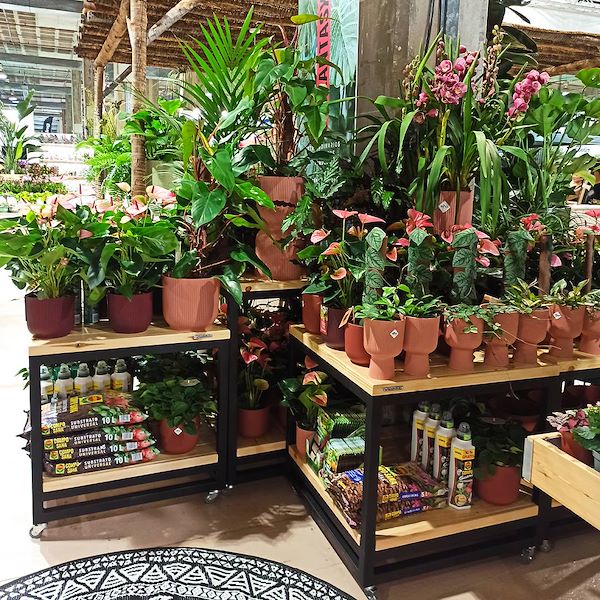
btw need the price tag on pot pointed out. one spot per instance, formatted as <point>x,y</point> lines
<point>323,320</point>
<point>394,333</point>
<point>444,206</point>
<point>557,315</point>
<point>178,431</point>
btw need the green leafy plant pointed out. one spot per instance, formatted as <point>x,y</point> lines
<point>388,307</point>
<point>515,256</point>
<point>565,294</point>
<point>490,311</point>
<point>14,141</point>
<point>21,187</point>
<point>421,307</point>
<point>589,436</point>
<point>523,297</point>
<point>464,265</point>
<point>303,395</point>
<point>464,312</point>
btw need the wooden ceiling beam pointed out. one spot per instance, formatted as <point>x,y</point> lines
<point>182,8</point>
<point>114,37</point>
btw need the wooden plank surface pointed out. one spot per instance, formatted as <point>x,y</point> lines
<point>580,361</point>
<point>101,337</point>
<point>272,441</point>
<point>258,285</point>
<point>441,376</point>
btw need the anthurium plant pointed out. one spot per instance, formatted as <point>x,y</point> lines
<point>303,395</point>
<point>254,374</point>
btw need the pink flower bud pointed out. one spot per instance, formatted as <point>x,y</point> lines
<point>445,66</point>
<point>462,49</point>
<point>460,65</point>
<point>544,78</point>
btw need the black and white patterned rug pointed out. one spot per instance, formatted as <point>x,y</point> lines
<point>171,574</point>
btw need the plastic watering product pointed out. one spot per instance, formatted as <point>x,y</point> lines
<point>431,424</point>
<point>83,383</point>
<point>121,380</point>
<point>418,431</point>
<point>63,386</point>
<point>462,458</point>
<point>441,453</point>
<point>101,377</point>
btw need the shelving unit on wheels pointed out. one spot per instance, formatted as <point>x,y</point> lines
<point>255,458</point>
<point>376,553</point>
<point>202,470</point>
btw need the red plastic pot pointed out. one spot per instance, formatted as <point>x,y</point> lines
<point>463,344</point>
<point>590,335</point>
<point>130,316</point>
<point>334,338</point>
<point>573,448</point>
<point>502,487</point>
<point>384,341</point>
<point>49,318</point>
<point>532,331</point>
<point>253,422</point>
<point>311,312</point>
<point>190,304</point>
<point>175,440</point>
<point>301,436</point>
<point>420,340</point>
<point>566,324</point>
<point>355,346</point>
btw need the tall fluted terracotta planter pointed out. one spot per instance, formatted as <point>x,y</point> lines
<point>566,324</point>
<point>496,349</point>
<point>190,304</point>
<point>130,315</point>
<point>49,318</point>
<point>355,346</point>
<point>420,340</point>
<point>463,344</point>
<point>590,335</point>
<point>532,331</point>
<point>384,341</point>
<point>311,312</point>
<point>447,213</point>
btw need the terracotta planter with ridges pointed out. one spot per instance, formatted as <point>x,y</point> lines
<point>496,349</point>
<point>311,312</point>
<point>463,344</point>
<point>130,316</point>
<point>566,324</point>
<point>384,341</point>
<point>447,214</point>
<point>190,304</point>
<point>420,340</point>
<point>355,346</point>
<point>532,331</point>
<point>50,318</point>
<point>590,335</point>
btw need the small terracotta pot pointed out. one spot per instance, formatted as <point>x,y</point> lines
<point>334,338</point>
<point>311,312</point>
<point>463,344</point>
<point>355,346</point>
<point>573,448</point>
<point>496,349</point>
<point>301,436</point>
<point>175,440</point>
<point>130,316</point>
<point>532,331</point>
<point>253,422</point>
<point>50,318</point>
<point>590,335</point>
<point>500,488</point>
<point>443,220</point>
<point>190,304</point>
<point>420,340</point>
<point>383,340</point>
<point>566,324</point>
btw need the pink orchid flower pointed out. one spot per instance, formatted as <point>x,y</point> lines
<point>334,248</point>
<point>366,219</point>
<point>344,214</point>
<point>318,236</point>
<point>339,274</point>
<point>417,220</point>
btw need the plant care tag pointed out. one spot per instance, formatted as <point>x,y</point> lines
<point>394,333</point>
<point>444,206</point>
<point>323,320</point>
<point>178,431</point>
<point>556,315</point>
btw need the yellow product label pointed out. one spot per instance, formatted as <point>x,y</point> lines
<point>431,432</point>
<point>444,442</point>
<point>464,454</point>
<point>392,515</point>
<point>73,404</point>
<point>389,476</point>
<point>420,423</point>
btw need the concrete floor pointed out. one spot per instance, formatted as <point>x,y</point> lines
<point>262,519</point>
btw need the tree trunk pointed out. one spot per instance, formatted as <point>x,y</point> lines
<point>545,266</point>
<point>589,260</point>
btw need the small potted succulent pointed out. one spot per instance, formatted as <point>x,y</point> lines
<point>502,324</point>
<point>590,335</point>
<point>566,423</point>
<point>588,435</point>
<point>534,318</point>
<point>464,334</point>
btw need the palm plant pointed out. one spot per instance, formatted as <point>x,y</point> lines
<point>14,141</point>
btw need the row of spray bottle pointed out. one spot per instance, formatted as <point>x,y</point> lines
<point>444,452</point>
<point>83,383</point>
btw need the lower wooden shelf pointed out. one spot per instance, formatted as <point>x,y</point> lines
<point>272,441</point>
<point>429,525</point>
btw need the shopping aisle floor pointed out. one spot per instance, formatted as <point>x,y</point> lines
<point>263,519</point>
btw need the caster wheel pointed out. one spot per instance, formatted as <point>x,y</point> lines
<point>527,555</point>
<point>35,533</point>
<point>211,497</point>
<point>227,490</point>
<point>545,546</point>
<point>371,593</point>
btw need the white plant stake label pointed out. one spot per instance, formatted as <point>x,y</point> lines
<point>556,315</point>
<point>178,431</point>
<point>394,333</point>
<point>444,206</point>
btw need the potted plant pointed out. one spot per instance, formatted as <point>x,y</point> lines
<point>464,334</point>
<point>588,435</point>
<point>534,318</point>
<point>590,334</point>
<point>177,404</point>
<point>567,314</point>
<point>566,423</point>
<point>498,457</point>
<point>502,324</point>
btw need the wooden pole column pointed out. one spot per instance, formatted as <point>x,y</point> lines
<point>98,98</point>
<point>590,243</point>
<point>138,27</point>
<point>544,265</point>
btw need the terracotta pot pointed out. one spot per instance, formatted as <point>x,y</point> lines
<point>287,190</point>
<point>253,422</point>
<point>590,335</point>
<point>301,436</point>
<point>573,448</point>
<point>311,312</point>
<point>355,346</point>
<point>50,318</point>
<point>190,304</point>
<point>496,349</point>
<point>383,340</point>
<point>447,214</point>
<point>175,440</point>
<point>528,422</point>
<point>532,331</point>
<point>578,396</point>
<point>463,344</point>
<point>280,262</point>
<point>500,488</point>
<point>566,324</point>
<point>334,337</point>
<point>420,340</point>
<point>130,316</point>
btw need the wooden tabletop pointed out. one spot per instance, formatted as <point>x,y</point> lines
<point>258,285</point>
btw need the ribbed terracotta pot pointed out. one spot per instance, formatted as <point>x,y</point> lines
<point>334,338</point>
<point>463,344</point>
<point>590,335</point>
<point>301,436</point>
<point>384,341</point>
<point>420,340</point>
<point>502,487</point>
<point>566,324</point>
<point>190,304</point>
<point>253,422</point>
<point>355,346</point>
<point>532,331</point>
<point>496,349</point>
<point>130,316</point>
<point>447,213</point>
<point>287,190</point>
<point>573,448</point>
<point>175,440</point>
<point>50,318</point>
<point>311,312</point>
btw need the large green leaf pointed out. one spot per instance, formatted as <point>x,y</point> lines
<point>590,77</point>
<point>248,191</point>
<point>246,255</point>
<point>206,205</point>
<point>221,169</point>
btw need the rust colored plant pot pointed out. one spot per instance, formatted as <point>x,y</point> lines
<point>280,262</point>
<point>573,448</point>
<point>311,312</point>
<point>496,349</point>
<point>175,440</point>
<point>532,331</point>
<point>253,422</point>
<point>502,487</point>
<point>286,190</point>
<point>590,335</point>
<point>463,344</point>
<point>301,436</point>
<point>355,346</point>
<point>528,422</point>
<point>50,318</point>
<point>420,340</point>
<point>447,213</point>
<point>130,316</point>
<point>383,341</point>
<point>334,338</point>
<point>566,324</point>
<point>190,304</point>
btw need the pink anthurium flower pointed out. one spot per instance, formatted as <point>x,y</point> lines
<point>344,214</point>
<point>365,219</point>
<point>417,220</point>
<point>486,246</point>
<point>316,377</point>
<point>334,248</point>
<point>84,233</point>
<point>403,242</point>
<point>309,363</point>
<point>320,399</point>
<point>256,343</point>
<point>248,356</point>
<point>392,254</point>
<point>318,236</point>
<point>161,194</point>
<point>555,261</point>
<point>136,208</point>
<point>594,213</point>
<point>483,261</point>
<point>339,274</point>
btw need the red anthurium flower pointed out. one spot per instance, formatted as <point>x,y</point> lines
<point>316,377</point>
<point>344,214</point>
<point>320,399</point>
<point>339,274</point>
<point>84,233</point>
<point>309,363</point>
<point>594,213</point>
<point>256,343</point>
<point>486,246</point>
<point>555,261</point>
<point>365,219</point>
<point>392,254</point>
<point>334,248</point>
<point>248,356</point>
<point>404,242</point>
<point>318,236</point>
<point>417,220</point>
<point>483,260</point>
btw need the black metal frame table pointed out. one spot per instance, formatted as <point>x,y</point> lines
<point>205,469</point>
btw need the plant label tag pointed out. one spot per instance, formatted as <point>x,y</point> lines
<point>323,320</point>
<point>394,333</point>
<point>178,431</point>
<point>556,315</point>
<point>444,206</point>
